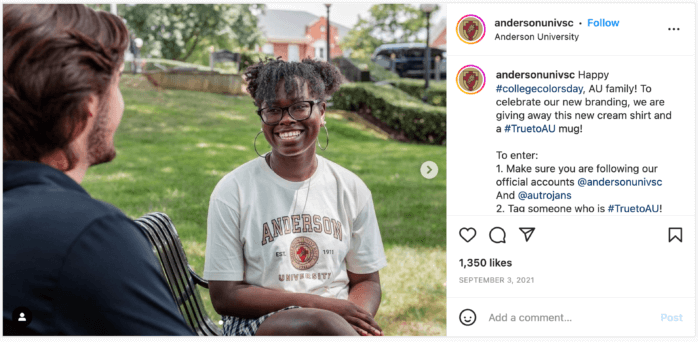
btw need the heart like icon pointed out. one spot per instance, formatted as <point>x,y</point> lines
<point>467,234</point>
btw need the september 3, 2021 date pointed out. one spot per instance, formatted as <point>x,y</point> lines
<point>496,280</point>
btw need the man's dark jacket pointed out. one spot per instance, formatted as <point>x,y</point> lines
<point>78,264</point>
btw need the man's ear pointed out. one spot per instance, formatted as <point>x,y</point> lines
<point>92,104</point>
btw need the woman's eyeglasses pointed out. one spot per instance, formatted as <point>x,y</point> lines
<point>299,111</point>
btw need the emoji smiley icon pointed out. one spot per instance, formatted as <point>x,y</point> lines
<point>467,317</point>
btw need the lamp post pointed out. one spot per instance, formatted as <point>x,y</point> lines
<point>427,9</point>
<point>328,33</point>
<point>211,58</point>
<point>437,68</point>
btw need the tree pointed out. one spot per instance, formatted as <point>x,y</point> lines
<point>244,30</point>
<point>387,23</point>
<point>176,31</point>
<point>360,40</point>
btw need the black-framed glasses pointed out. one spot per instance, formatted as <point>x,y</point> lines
<point>299,111</point>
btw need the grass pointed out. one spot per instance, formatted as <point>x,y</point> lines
<point>437,91</point>
<point>377,71</point>
<point>174,146</point>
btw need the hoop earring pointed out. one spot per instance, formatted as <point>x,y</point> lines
<point>327,140</point>
<point>254,144</point>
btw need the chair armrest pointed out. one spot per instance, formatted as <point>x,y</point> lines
<point>197,279</point>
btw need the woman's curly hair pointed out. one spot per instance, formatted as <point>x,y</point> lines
<point>322,78</point>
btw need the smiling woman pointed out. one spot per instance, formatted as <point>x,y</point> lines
<point>293,244</point>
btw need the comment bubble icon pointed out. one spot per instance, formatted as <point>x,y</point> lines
<point>497,235</point>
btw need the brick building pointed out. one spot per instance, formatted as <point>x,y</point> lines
<point>296,35</point>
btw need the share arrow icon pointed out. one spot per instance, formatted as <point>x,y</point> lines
<point>527,231</point>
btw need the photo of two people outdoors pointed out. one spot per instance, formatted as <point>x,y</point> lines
<point>224,169</point>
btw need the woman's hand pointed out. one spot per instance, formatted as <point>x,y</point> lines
<point>361,320</point>
<point>366,292</point>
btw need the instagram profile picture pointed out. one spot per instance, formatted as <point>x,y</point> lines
<point>471,79</point>
<point>471,29</point>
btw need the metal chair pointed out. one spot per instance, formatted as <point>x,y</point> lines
<point>179,275</point>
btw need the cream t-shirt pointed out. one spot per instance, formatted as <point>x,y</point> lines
<point>296,236</point>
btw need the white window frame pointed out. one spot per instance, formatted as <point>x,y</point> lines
<point>293,53</point>
<point>320,48</point>
<point>268,49</point>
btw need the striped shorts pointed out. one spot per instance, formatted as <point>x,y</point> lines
<point>236,326</point>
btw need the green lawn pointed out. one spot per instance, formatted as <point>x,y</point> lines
<point>174,146</point>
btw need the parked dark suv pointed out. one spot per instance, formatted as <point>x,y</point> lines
<point>409,59</point>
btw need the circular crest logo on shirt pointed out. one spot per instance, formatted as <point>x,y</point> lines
<point>303,253</point>
<point>471,29</point>
<point>471,79</point>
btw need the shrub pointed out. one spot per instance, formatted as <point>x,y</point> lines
<point>437,91</point>
<point>418,121</point>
